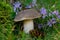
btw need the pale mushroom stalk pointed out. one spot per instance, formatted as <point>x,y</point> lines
<point>28,25</point>
<point>27,17</point>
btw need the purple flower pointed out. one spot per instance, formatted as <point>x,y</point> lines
<point>53,20</point>
<point>49,23</point>
<point>17,4</point>
<point>43,11</point>
<point>56,12</point>
<point>58,16</point>
<point>40,26</point>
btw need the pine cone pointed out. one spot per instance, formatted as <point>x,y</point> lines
<point>35,33</point>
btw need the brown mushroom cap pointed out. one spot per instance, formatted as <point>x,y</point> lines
<point>27,14</point>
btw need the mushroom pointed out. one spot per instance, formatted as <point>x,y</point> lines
<point>27,17</point>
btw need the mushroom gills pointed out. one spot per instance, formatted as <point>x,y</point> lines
<point>28,25</point>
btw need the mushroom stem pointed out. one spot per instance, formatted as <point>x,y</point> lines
<point>28,25</point>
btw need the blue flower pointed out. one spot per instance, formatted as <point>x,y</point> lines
<point>56,12</point>
<point>40,26</point>
<point>17,6</point>
<point>43,11</point>
<point>51,22</point>
<point>58,16</point>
